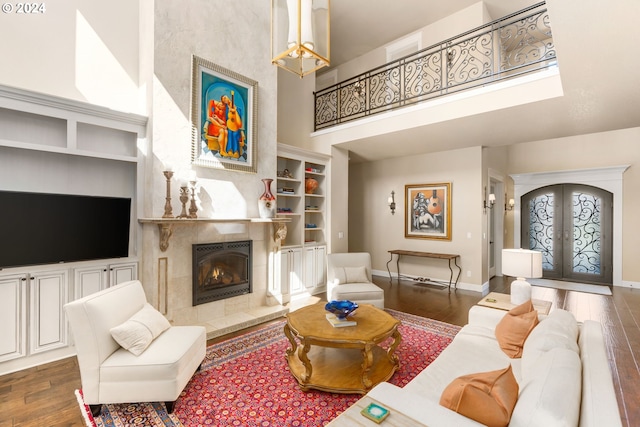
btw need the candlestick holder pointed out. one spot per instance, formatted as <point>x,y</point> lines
<point>184,198</point>
<point>193,208</point>
<point>168,210</point>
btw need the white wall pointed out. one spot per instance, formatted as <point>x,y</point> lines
<point>451,26</point>
<point>77,49</point>
<point>372,227</point>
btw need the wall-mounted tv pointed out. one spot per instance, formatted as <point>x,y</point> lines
<point>44,228</point>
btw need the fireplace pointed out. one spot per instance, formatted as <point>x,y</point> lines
<point>221,270</point>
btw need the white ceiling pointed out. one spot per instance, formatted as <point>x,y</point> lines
<point>597,49</point>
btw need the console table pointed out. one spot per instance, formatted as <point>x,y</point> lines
<point>451,258</point>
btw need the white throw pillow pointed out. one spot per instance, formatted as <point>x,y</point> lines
<point>351,275</point>
<point>137,333</point>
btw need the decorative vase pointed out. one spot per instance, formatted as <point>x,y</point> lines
<point>267,201</point>
<point>310,185</point>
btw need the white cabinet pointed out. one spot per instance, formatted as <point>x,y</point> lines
<point>47,323</point>
<point>120,273</point>
<point>88,280</point>
<point>32,318</point>
<point>315,277</point>
<point>44,327</point>
<point>13,317</point>
<point>291,270</point>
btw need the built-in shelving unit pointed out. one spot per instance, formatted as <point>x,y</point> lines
<point>303,257</point>
<point>50,144</point>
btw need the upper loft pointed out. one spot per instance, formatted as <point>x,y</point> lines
<point>512,46</point>
<point>578,92</point>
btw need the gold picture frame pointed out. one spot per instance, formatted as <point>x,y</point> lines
<point>224,114</point>
<point>427,210</point>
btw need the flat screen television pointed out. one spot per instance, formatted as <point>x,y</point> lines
<point>44,228</point>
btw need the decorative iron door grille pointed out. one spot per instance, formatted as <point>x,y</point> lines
<point>572,226</point>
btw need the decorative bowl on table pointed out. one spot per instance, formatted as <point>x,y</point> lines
<point>341,308</point>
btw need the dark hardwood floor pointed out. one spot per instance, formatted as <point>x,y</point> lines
<point>44,396</point>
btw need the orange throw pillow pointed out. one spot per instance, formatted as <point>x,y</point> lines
<point>487,397</point>
<point>515,327</point>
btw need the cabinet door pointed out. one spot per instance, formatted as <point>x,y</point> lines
<point>314,268</point>
<point>90,280</point>
<point>13,317</point>
<point>295,270</point>
<point>291,271</point>
<point>320,269</point>
<point>47,328</point>
<point>120,273</point>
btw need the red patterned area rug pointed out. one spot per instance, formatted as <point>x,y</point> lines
<point>245,381</point>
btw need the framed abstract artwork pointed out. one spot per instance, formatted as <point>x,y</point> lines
<point>223,118</point>
<point>427,210</point>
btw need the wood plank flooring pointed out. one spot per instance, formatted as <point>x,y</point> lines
<point>44,396</point>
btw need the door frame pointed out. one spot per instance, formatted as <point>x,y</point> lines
<point>608,178</point>
<point>497,181</point>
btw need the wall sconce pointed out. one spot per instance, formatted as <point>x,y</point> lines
<point>508,206</point>
<point>492,201</point>
<point>392,202</point>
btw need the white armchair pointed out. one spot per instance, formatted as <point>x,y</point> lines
<point>349,278</point>
<point>110,373</point>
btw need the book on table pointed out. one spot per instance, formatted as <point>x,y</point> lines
<point>339,323</point>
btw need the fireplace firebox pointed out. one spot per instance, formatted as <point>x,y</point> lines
<point>221,270</point>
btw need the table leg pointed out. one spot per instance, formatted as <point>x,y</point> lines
<point>388,270</point>
<point>455,261</point>
<point>302,355</point>
<point>294,344</point>
<point>450,275</point>
<point>367,363</point>
<point>397,339</point>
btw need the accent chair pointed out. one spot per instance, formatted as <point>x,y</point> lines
<point>349,278</point>
<point>160,359</point>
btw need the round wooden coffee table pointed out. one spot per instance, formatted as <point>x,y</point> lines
<point>341,360</point>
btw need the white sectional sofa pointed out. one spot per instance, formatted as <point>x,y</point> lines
<point>563,376</point>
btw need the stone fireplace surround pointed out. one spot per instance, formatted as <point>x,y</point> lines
<point>167,276</point>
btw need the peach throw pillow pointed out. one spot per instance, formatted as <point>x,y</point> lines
<point>514,328</point>
<point>486,397</point>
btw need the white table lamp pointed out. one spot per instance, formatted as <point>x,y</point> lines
<point>521,264</point>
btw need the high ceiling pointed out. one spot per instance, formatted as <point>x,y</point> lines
<point>596,47</point>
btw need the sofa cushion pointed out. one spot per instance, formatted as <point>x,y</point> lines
<point>357,292</point>
<point>486,397</point>
<point>351,274</point>
<point>551,397</point>
<point>558,330</point>
<point>515,326</point>
<point>140,330</point>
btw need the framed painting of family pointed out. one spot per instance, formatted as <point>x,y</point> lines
<point>428,211</point>
<point>223,118</point>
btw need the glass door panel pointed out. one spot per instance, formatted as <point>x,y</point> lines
<point>571,225</point>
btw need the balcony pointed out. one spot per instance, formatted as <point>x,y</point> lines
<point>509,47</point>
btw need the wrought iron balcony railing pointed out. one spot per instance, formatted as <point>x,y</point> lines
<point>508,47</point>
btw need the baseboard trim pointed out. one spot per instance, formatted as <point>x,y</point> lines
<point>461,285</point>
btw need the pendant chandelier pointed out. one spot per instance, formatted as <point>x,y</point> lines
<point>300,35</point>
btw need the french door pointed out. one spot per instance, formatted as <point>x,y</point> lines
<point>571,224</point>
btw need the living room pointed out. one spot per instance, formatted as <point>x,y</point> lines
<point>136,58</point>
